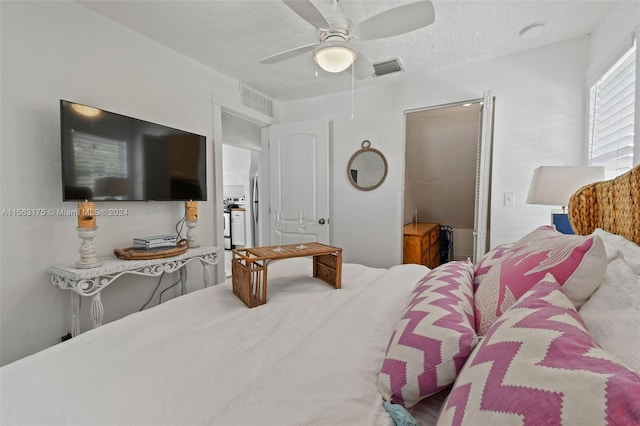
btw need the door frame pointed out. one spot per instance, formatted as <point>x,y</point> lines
<point>483,177</point>
<point>250,115</point>
<point>483,169</point>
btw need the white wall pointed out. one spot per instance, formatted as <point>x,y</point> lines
<point>539,119</point>
<point>611,39</point>
<point>61,50</point>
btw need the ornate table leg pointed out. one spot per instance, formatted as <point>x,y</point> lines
<point>205,271</point>
<point>76,302</point>
<point>183,280</point>
<point>97,310</point>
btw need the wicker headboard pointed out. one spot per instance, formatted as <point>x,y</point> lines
<point>612,205</point>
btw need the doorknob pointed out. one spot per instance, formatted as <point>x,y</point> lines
<point>321,221</point>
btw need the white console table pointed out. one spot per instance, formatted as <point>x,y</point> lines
<point>90,282</point>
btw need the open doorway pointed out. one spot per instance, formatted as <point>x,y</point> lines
<point>445,155</point>
<point>241,182</point>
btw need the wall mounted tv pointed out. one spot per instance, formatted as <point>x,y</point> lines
<point>108,156</point>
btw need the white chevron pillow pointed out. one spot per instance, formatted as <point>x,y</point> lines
<point>538,365</point>
<point>577,262</point>
<point>434,337</point>
<point>488,261</point>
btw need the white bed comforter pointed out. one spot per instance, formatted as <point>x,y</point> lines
<point>311,355</point>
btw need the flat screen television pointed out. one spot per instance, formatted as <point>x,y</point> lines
<point>112,157</point>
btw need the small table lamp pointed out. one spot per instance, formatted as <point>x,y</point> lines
<point>554,185</point>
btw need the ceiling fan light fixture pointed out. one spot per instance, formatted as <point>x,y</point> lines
<point>87,111</point>
<point>334,57</point>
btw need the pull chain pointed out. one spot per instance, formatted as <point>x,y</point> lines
<point>353,79</point>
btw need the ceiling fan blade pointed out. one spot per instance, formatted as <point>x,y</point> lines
<point>363,67</point>
<point>287,54</point>
<point>307,11</point>
<point>396,21</point>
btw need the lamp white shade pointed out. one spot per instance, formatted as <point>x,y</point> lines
<point>554,185</point>
<point>334,57</point>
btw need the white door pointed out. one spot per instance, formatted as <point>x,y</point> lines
<point>483,175</point>
<point>299,179</point>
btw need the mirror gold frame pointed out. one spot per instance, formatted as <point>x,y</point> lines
<point>374,175</point>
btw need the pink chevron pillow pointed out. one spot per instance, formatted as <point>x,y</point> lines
<point>434,337</point>
<point>578,263</point>
<point>538,365</point>
<point>487,261</point>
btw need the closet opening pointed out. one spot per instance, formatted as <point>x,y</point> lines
<point>446,191</point>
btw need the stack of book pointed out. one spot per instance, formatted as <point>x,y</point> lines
<point>157,242</point>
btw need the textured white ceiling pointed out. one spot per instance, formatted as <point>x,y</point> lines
<point>232,36</point>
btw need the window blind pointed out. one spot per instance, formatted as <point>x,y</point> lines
<point>98,157</point>
<point>611,123</point>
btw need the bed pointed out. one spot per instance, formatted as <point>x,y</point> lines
<point>316,355</point>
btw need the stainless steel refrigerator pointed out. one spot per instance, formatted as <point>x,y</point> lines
<point>255,205</point>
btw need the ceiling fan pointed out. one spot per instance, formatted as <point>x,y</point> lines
<point>334,52</point>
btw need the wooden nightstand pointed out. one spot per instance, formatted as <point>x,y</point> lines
<point>422,244</point>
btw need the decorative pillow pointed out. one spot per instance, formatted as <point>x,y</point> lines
<point>578,263</point>
<point>617,244</point>
<point>434,337</point>
<point>612,313</point>
<point>487,261</point>
<point>538,365</point>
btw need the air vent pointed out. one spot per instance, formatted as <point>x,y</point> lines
<point>256,101</point>
<point>387,67</point>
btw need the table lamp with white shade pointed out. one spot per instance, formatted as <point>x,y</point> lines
<point>554,185</point>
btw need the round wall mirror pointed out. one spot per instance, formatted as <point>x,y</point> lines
<point>367,168</point>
